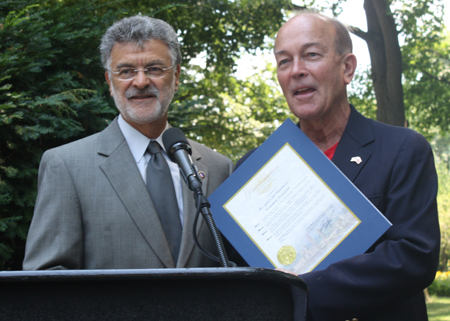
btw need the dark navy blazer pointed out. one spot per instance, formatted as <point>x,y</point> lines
<point>397,174</point>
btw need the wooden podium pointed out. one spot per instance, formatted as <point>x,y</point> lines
<point>212,294</point>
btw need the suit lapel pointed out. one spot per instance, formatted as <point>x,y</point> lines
<point>189,209</point>
<point>351,156</point>
<point>119,166</point>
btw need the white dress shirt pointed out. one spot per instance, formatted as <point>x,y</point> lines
<point>138,142</point>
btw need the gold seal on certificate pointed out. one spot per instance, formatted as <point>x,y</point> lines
<point>286,255</point>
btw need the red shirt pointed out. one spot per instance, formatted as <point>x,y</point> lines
<point>330,151</point>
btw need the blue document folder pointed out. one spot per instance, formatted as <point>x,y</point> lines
<point>288,206</point>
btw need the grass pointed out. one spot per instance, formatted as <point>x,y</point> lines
<point>439,309</point>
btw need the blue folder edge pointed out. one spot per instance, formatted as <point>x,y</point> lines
<point>373,223</point>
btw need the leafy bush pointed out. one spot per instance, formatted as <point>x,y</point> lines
<point>441,284</point>
<point>442,155</point>
<point>51,92</point>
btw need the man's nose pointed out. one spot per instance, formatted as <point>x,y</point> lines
<point>299,68</point>
<point>141,80</point>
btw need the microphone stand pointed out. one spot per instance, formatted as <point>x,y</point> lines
<point>207,215</point>
<point>179,151</point>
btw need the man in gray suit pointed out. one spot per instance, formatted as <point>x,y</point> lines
<point>94,210</point>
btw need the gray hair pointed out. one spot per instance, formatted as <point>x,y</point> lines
<point>139,29</point>
<point>343,41</point>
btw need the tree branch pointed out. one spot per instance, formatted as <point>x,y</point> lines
<point>435,77</point>
<point>358,32</point>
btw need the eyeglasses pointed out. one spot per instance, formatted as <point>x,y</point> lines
<point>126,74</point>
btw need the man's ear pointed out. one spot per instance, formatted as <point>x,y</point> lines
<point>349,63</point>
<point>108,80</point>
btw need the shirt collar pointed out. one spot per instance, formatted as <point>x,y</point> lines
<point>137,142</point>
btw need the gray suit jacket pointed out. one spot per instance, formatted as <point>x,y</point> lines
<point>93,210</point>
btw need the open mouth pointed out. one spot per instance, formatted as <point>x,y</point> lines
<point>303,91</point>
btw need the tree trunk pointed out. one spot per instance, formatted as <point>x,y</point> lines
<point>386,60</point>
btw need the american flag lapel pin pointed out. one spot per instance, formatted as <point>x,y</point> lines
<point>356,159</point>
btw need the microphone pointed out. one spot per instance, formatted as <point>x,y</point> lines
<point>179,151</point>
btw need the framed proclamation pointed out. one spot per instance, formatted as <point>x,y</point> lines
<point>288,206</point>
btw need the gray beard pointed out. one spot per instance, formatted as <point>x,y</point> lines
<point>149,115</point>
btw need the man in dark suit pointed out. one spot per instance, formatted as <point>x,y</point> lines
<point>392,166</point>
<point>95,208</point>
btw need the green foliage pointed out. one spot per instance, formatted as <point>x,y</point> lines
<point>51,87</point>
<point>440,285</point>
<point>361,94</point>
<point>441,147</point>
<point>425,50</point>
<point>236,120</point>
<point>426,62</point>
<point>427,85</point>
<point>217,28</point>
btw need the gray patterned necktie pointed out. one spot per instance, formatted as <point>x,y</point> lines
<point>162,192</point>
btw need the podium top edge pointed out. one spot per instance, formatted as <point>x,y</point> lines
<point>250,273</point>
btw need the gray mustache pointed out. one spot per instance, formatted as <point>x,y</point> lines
<point>140,92</point>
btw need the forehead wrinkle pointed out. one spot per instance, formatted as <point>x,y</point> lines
<point>140,61</point>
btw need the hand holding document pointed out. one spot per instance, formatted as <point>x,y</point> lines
<point>278,212</point>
